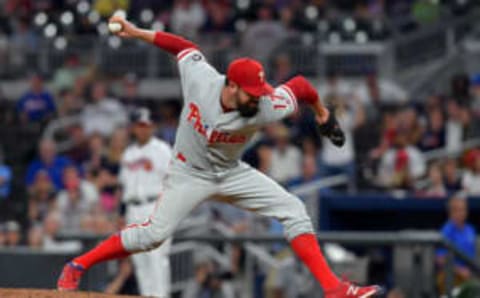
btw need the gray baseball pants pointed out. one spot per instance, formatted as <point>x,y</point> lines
<point>242,186</point>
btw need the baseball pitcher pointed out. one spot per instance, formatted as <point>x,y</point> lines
<point>143,166</point>
<point>220,115</point>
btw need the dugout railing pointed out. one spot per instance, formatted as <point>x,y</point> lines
<point>413,257</point>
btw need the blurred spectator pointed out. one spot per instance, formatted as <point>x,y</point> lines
<point>471,178</point>
<point>462,235</point>
<point>96,153</point>
<point>187,17</point>
<point>452,175</point>
<point>5,178</point>
<point>13,233</point>
<point>309,172</point>
<point>334,160</point>
<point>387,138</point>
<point>409,123</point>
<point>207,283</point>
<point>35,237</point>
<point>104,114</point>
<point>434,134</point>
<point>264,35</point>
<point>286,158</point>
<point>79,152</point>
<point>37,104</point>
<point>80,88</point>
<point>457,120</point>
<point>65,76</point>
<point>76,202</point>
<point>49,161</point>
<point>51,227</point>
<point>73,182</point>
<point>435,184</point>
<point>219,17</point>
<point>42,236</point>
<point>68,104</point>
<point>41,197</point>
<point>107,186</point>
<point>118,143</point>
<point>99,221</point>
<point>282,69</point>
<point>402,165</point>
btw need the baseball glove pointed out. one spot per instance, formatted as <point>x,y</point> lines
<point>331,129</point>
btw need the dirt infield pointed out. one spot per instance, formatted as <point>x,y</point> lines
<point>31,293</point>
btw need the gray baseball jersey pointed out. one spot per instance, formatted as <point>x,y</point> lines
<point>206,162</point>
<point>209,138</point>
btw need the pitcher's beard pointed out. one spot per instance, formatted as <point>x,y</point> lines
<point>247,111</point>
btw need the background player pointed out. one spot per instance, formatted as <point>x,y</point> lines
<point>143,167</point>
<point>220,115</point>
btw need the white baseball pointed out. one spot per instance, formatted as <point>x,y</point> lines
<point>114,27</point>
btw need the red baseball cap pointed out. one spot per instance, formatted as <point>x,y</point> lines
<point>249,75</point>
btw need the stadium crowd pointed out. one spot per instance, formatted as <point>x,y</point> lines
<point>189,17</point>
<point>291,152</point>
<point>74,188</point>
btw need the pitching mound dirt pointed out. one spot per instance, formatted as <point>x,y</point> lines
<point>31,293</point>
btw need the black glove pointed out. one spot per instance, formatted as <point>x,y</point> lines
<point>331,129</point>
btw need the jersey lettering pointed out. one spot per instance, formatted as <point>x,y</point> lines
<point>222,137</point>
<point>195,118</point>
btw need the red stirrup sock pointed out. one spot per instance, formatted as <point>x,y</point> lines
<point>109,249</point>
<point>307,249</point>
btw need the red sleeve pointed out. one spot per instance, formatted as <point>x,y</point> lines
<point>172,43</point>
<point>303,90</point>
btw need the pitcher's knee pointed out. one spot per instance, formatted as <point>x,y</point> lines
<point>145,237</point>
<point>157,233</point>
